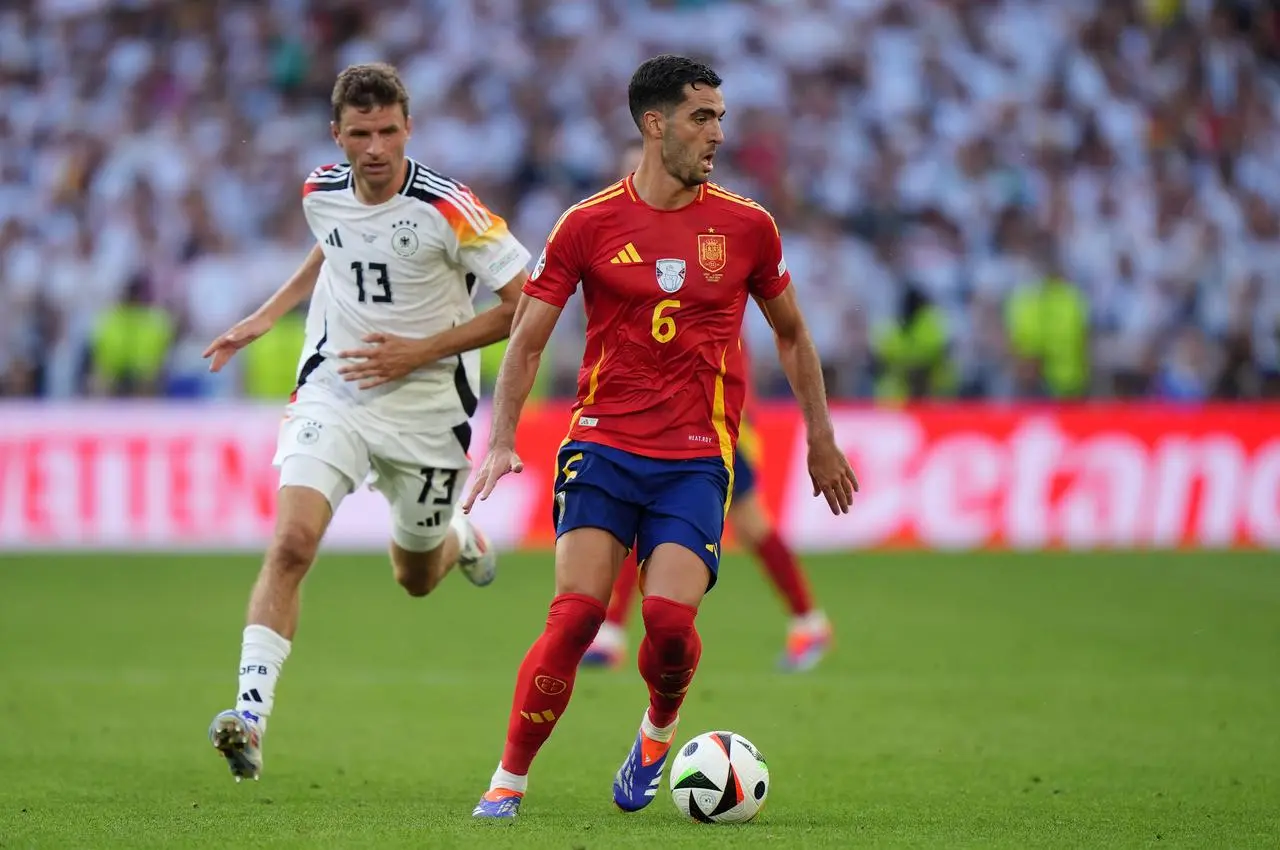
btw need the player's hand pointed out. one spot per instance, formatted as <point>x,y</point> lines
<point>832,475</point>
<point>385,358</point>
<point>496,464</point>
<point>243,333</point>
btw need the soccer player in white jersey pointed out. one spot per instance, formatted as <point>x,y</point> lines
<point>387,380</point>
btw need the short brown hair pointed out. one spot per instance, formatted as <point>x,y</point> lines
<point>365,87</point>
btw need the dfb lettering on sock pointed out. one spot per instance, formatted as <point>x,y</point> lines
<point>262,655</point>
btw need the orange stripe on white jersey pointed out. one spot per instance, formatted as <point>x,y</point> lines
<point>467,216</point>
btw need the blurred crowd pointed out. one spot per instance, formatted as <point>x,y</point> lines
<point>978,198</point>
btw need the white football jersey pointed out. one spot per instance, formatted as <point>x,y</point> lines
<point>405,267</point>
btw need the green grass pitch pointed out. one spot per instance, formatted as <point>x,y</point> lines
<point>1017,701</point>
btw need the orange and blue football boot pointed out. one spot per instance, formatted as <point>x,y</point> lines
<point>808,640</point>
<point>637,781</point>
<point>498,804</point>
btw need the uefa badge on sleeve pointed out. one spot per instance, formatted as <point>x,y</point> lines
<point>670,274</point>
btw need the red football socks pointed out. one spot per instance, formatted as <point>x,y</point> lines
<point>783,569</point>
<point>624,590</point>
<point>545,680</point>
<point>668,655</point>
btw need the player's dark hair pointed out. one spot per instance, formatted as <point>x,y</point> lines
<point>659,83</point>
<point>368,86</point>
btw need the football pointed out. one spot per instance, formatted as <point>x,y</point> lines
<point>719,777</point>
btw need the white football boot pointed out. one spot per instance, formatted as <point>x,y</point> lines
<point>238,736</point>
<point>476,558</point>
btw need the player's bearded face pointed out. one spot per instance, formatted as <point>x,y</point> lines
<point>374,142</point>
<point>691,135</point>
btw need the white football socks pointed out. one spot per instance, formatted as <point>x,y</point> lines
<point>813,621</point>
<point>508,781</point>
<point>661,734</point>
<point>261,657</point>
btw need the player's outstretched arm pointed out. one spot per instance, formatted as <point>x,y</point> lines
<point>387,357</point>
<point>294,291</point>
<point>828,467</point>
<point>534,321</point>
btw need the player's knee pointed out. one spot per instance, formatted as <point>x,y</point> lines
<point>669,625</point>
<point>310,488</point>
<point>751,535</point>
<point>596,587</point>
<point>294,548</point>
<point>575,618</point>
<point>416,584</point>
<point>676,574</point>
<point>586,559</point>
<point>418,588</point>
<point>414,571</point>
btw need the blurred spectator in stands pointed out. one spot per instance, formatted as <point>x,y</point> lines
<point>983,359</point>
<point>1048,323</point>
<point>186,372</point>
<point>913,351</point>
<point>1188,371</point>
<point>271,371</point>
<point>131,343</point>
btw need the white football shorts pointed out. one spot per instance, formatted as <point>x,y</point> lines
<point>331,445</point>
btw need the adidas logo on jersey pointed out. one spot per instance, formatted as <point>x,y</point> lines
<point>334,239</point>
<point>627,256</point>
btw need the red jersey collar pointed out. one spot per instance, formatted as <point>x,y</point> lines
<point>629,184</point>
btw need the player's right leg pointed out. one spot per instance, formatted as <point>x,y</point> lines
<point>610,646</point>
<point>678,542</point>
<point>420,564</point>
<point>429,536</point>
<point>593,515</point>
<point>314,451</point>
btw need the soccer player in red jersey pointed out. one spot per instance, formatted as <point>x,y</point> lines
<point>809,634</point>
<point>667,261</point>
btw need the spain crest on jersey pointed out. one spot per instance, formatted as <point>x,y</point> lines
<point>711,251</point>
<point>670,274</point>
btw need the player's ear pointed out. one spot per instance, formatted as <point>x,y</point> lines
<point>653,123</point>
<point>335,132</point>
<point>408,126</point>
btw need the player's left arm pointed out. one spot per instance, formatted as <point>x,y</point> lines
<point>480,242</point>
<point>829,469</point>
<point>492,325</point>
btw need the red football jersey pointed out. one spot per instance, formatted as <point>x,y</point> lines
<point>749,398</point>
<point>665,291</point>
